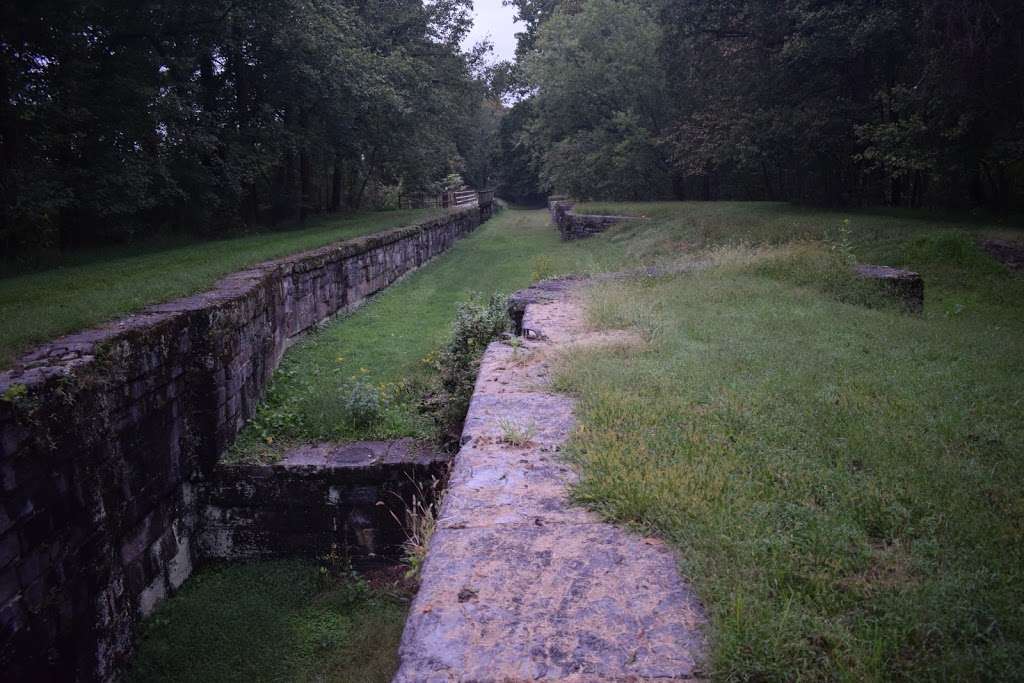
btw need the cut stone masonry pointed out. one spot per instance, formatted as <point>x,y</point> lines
<point>574,226</point>
<point>519,584</point>
<point>348,499</point>
<point>107,437</point>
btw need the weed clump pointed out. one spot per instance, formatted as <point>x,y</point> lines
<point>477,323</point>
<point>362,404</point>
<point>419,519</point>
<point>517,435</point>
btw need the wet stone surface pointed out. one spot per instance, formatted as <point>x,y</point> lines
<point>520,584</point>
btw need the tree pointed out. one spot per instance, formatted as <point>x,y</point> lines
<point>908,103</point>
<point>599,104</point>
<point>122,118</point>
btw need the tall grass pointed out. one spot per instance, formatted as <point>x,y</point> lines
<point>843,481</point>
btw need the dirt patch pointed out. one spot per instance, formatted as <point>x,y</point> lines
<point>1009,253</point>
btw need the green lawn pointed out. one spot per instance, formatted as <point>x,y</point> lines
<point>271,621</point>
<point>90,287</point>
<point>389,343</point>
<point>843,481</point>
<point>674,229</point>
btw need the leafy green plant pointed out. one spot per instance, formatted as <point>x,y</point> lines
<point>477,323</point>
<point>14,393</point>
<point>363,404</point>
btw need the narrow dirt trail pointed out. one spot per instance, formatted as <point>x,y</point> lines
<point>520,584</point>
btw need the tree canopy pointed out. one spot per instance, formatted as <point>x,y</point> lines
<point>900,102</point>
<point>118,118</point>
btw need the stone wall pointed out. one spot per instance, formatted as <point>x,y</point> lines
<point>106,434</point>
<point>352,499</point>
<point>905,286</point>
<point>574,226</point>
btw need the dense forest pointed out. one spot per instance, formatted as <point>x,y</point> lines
<point>839,102</point>
<point>121,118</point>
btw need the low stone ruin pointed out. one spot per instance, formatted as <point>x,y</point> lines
<point>574,226</point>
<point>350,499</point>
<point>904,285</point>
<point>109,436</point>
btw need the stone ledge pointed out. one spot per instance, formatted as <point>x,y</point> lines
<point>521,584</point>
<point>574,226</point>
<point>903,285</point>
<point>351,498</point>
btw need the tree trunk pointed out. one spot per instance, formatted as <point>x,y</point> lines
<point>336,185</point>
<point>305,184</point>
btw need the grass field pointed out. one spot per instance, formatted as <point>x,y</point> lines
<point>843,481</point>
<point>271,621</point>
<point>92,286</point>
<point>389,343</point>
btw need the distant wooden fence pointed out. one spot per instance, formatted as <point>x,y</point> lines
<point>464,197</point>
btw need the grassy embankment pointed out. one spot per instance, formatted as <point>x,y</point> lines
<point>389,344</point>
<point>843,481</point>
<point>91,286</point>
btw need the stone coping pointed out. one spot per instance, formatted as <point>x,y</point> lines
<point>520,584</point>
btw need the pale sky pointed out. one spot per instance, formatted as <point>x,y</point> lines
<point>492,20</point>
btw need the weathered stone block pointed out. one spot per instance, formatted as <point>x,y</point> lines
<point>319,496</point>
<point>904,285</point>
<point>574,226</point>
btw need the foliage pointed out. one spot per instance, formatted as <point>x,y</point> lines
<point>519,180</point>
<point>477,323</point>
<point>839,102</point>
<point>599,102</point>
<point>362,404</point>
<point>118,120</point>
<point>14,393</point>
<point>419,520</point>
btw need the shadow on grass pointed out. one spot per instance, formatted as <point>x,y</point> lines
<point>272,621</point>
